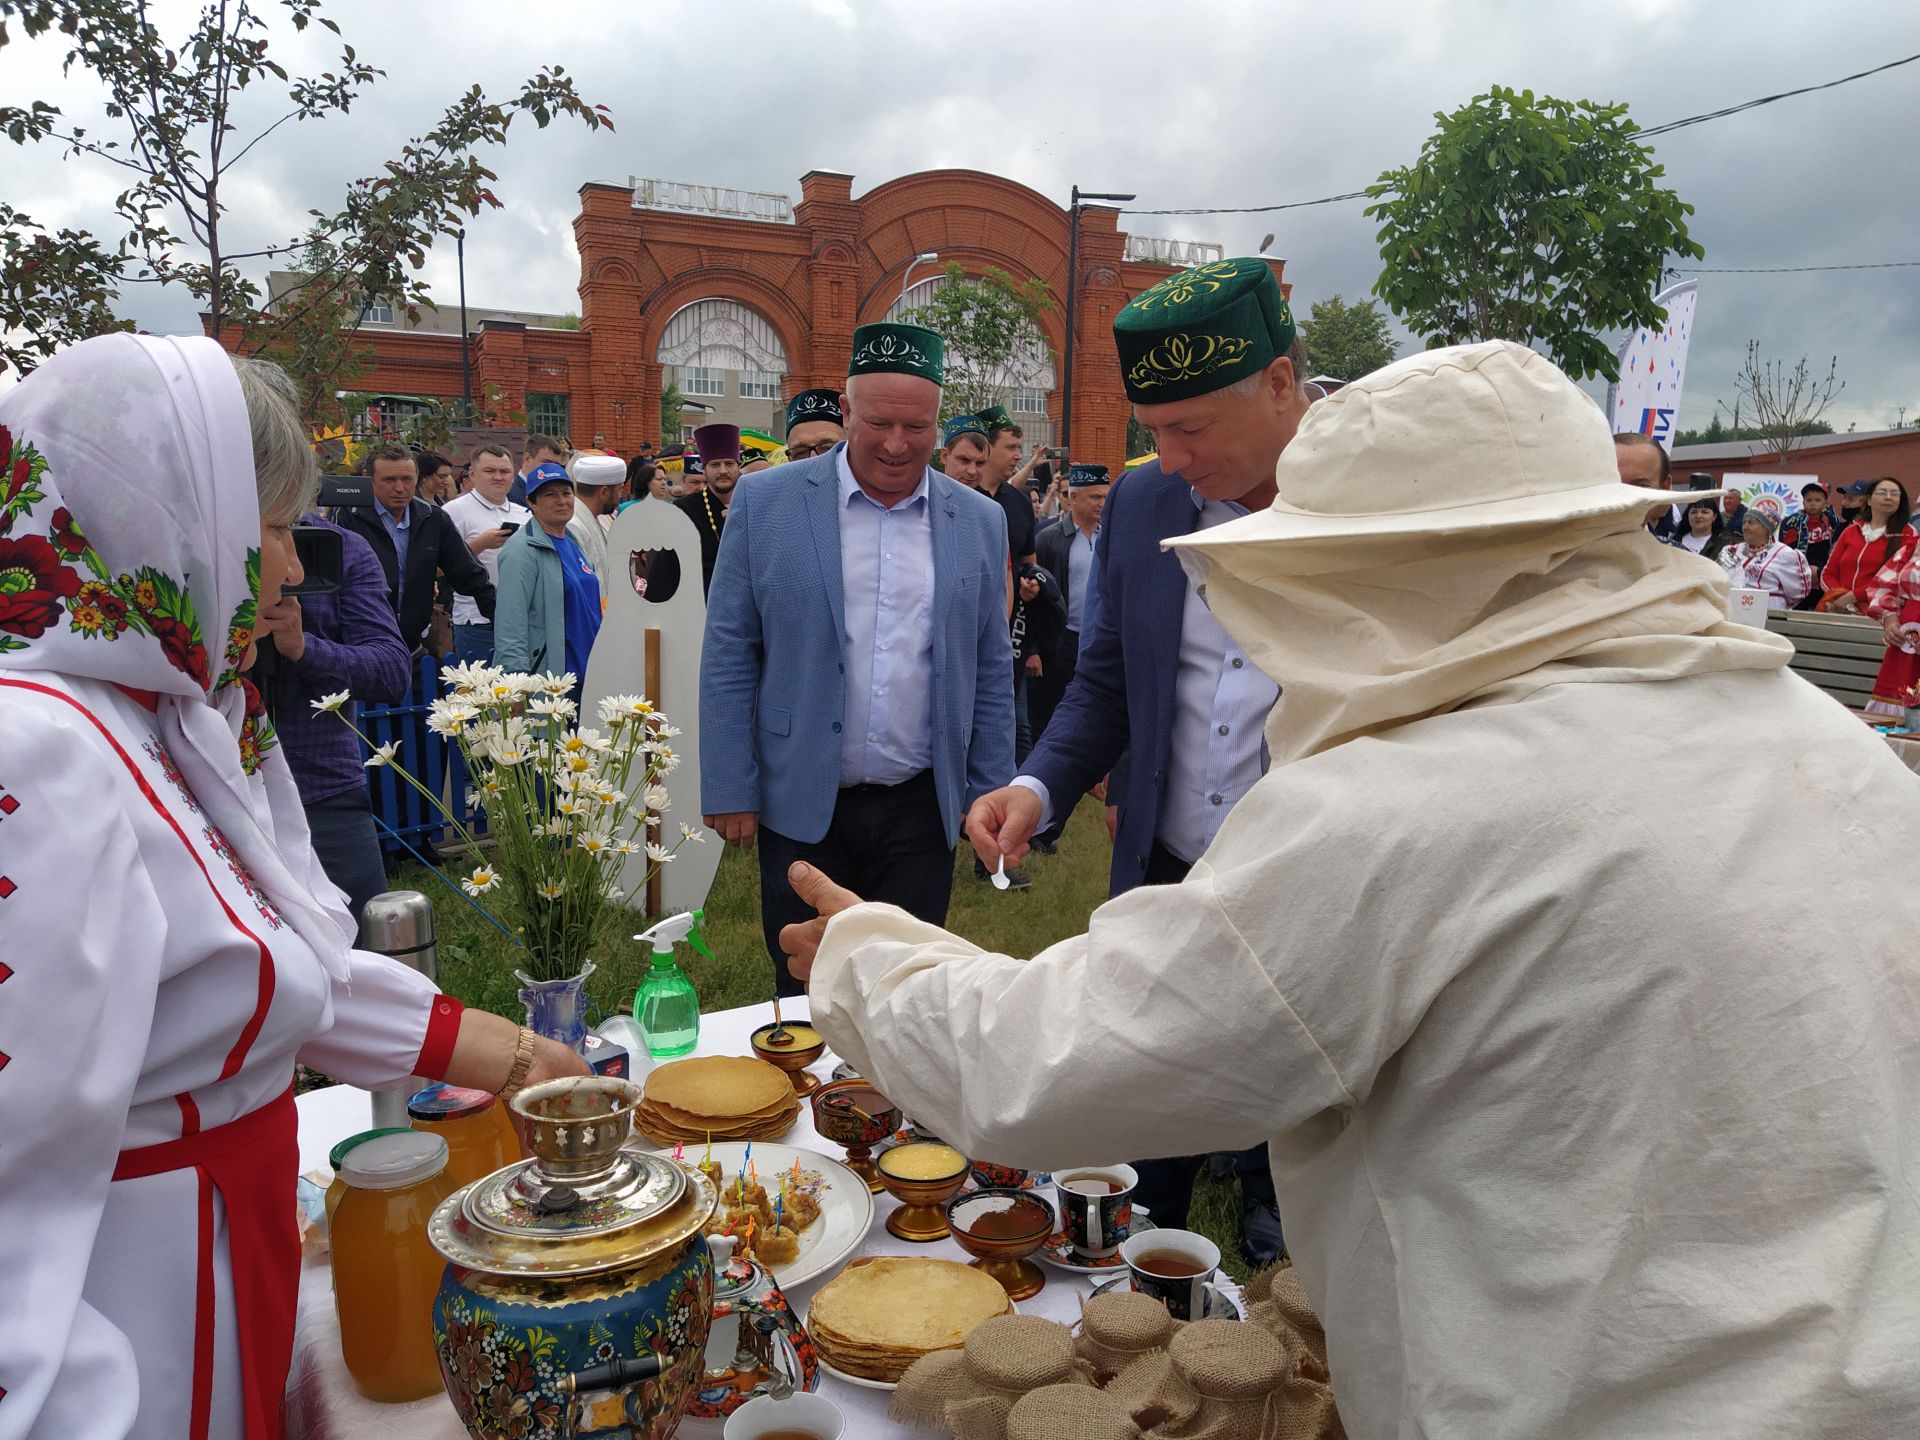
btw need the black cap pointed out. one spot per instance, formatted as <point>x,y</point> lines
<point>1859,487</point>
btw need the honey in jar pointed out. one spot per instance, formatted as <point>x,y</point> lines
<point>479,1136</point>
<point>385,1273</point>
<point>339,1187</point>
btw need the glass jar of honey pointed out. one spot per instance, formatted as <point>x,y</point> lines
<point>385,1271</point>
<point>339,1187</point>
<point>475,1125</point>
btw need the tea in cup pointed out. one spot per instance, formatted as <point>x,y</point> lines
<point>801,1416</point>
<point>1174,1267</point>
<point>1096,1207</point>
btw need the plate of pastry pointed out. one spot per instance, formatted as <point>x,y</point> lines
<point>805,1212</point>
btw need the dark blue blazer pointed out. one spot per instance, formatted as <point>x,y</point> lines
<point>1121,698</point>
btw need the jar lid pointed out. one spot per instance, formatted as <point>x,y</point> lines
<point>439,1102</point>
<point>390,1162</point>
<point>338,1153</point>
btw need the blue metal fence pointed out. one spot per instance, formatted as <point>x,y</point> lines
<point>403,811</point>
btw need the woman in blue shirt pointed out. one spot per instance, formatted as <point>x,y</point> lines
<point>548,611</point>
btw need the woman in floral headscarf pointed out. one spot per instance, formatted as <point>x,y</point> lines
<point>172,946</point>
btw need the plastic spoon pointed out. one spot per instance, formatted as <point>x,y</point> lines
<point>999,876</point>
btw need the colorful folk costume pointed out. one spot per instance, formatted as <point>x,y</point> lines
<point>1896,591</point>
<point>169,945</point>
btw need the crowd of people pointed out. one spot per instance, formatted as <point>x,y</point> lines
<point>1334,666</point>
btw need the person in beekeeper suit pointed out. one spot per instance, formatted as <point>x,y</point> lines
<point>1561,1153</point>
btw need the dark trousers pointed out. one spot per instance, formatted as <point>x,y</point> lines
<point>1166,1185</point>
<point>349,851</point>
<point>886,842</point>
<point>1045,693</point>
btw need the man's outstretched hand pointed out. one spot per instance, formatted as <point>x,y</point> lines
<point>1001,822</point>
<point>800,943</point>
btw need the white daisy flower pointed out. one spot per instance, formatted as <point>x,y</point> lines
<point>578,764</point>
<point>587,742</point>
<point>657,799</point>
<point>556,827</point>
<point>509,754</point>
<point>547,705</point>
<point>385,755</point>
<point>596,842</point>
<point>483,879</point>
<point>625,847</point>
<point>556,684</point>
<point>614,892</point>
<point>570,807</point>
<point>687,832</point>
<point>606,795</point>
<point>552,889</point>
<point>659,854</point>
<point>332,704</point>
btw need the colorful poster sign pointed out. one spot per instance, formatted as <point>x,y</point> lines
<point>1777,496</point>
<point>1653,366</point>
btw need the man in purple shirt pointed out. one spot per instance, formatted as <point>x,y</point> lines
<point>322,644</point>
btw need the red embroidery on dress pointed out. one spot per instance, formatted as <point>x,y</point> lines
<point>158,754</point>
<point>218,844</point>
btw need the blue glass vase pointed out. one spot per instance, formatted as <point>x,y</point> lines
<point>557,1009</point>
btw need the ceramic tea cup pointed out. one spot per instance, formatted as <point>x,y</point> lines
<point>1174,1267</point>
<point>1096,1207</point>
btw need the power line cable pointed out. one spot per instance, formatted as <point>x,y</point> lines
<point>1665,129</point>
<point>1683,270</point>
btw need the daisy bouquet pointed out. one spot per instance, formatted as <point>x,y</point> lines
<point>567,805</point>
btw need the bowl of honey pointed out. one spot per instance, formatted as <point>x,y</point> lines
<point>791,1047</point>
<point>922,1176</point>
<point>1001,1228</point>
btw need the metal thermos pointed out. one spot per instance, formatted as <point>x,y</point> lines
<point>399,924</point>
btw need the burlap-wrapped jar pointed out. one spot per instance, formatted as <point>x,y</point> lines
<point>1119,1327</point>
<point>968,1392</point>
<point>1070,1412</point>
<point>1155,1394</point>
<point>1237,1370</point>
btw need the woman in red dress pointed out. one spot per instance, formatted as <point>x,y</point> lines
<point>1894,600</point>
<point>1866,547</point>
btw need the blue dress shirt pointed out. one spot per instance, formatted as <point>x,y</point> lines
<point>1079,575</point>
<point>400,532</point>
<point>886,570</point>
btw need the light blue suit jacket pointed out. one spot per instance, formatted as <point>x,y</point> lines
<point>773,672</point>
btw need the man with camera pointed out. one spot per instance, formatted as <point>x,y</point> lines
<point>485,517</point>
<point>414,543</point>
<point>333,632</point>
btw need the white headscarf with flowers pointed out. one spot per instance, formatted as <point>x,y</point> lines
<point>129,553</point>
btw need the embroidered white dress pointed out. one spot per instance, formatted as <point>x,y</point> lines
<point>148,991</point>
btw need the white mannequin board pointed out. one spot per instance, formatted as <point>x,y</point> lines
<point>653,583</point>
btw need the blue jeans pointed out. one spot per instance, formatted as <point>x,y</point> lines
<point>473,642</point>
<point>349,851</point>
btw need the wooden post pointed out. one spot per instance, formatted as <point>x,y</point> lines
<point>653,698</point>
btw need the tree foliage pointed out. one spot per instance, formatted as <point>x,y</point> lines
<point>992,329</point>
<point>672,413</point>
<point>1531,219</point>
<point>1346,341</point>
<point>1719,432</point>
<point>173,103</point>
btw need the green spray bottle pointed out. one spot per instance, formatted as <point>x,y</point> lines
<point>666,1006</point>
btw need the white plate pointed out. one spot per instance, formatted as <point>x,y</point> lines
<point>1059,1254</point>
<point>827,1367</point>
<point>846,1204</point>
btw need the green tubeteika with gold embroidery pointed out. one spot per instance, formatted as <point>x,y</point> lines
<point>1202,330</point>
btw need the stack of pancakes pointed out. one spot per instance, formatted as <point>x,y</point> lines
<point>722,1097</point>
<point>879,1315</point>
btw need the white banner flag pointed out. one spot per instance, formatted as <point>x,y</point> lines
<point>1653,365</point>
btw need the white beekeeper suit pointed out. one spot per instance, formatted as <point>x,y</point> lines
<point>1564,1150</point>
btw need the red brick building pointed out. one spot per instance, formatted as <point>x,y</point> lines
<point>810,272</point>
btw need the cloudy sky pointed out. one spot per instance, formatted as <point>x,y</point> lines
<point>1189,105</point>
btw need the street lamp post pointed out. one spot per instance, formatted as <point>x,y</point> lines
<point>1073,291</point>
<point>925,257</point>
<point>466,369</point>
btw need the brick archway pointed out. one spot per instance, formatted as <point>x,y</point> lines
<point>814,272</point>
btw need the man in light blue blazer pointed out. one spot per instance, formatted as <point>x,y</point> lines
<point>856,686</point>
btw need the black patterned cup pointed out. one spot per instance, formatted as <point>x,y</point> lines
<point>1096,1207</point>
<point>1153,1257</point>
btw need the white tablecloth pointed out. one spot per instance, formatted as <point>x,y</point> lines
<point>323,1405</point>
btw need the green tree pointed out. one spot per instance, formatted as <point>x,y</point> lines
<point>1529,219</point>
<point>992,329</point>
<point>672,418</point>
<point>175,103</point>
<point>1346,341</point>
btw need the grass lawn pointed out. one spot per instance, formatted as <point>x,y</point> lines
<point>476,961</point>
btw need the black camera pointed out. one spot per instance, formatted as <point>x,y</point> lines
<point>322,558</point>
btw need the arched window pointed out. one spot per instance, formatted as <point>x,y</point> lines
<point>1025,382</point>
